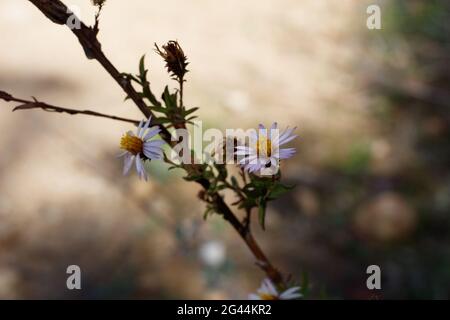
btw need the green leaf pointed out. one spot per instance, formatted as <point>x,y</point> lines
<point>189,111</point>
<point>278,190</point>
<point>262,214</point>
<point>221,187</point>
<point>169,99</point>
<point>142,70</point>
<point>149,94</point>
<point>193,177</point>
<point>160,120</point>
<point>158,109</point>
<point>234,182</point>
<point>131,77</point>
<point>207,212</point>
<point>222,170</point>
<point>146,91</point>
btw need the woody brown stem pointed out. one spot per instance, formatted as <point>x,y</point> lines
<point>35,104</point>
<point>57,12</point>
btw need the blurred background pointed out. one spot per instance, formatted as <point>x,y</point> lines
<point>372,173</point>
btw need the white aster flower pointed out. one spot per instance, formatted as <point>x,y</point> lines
<point>267,291</point>
<point>139,148</point>
<point>264,149</point>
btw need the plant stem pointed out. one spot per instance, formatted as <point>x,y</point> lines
<point>28,104</point>
<point>181,93</point>
<point>56,11</point>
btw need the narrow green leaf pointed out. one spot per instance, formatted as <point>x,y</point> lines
<point>142,70</point>
<point>234,182</point>
<point>278,190</point>
<point>169,99</point>
<point>158,109</point>
<point>208,211</point>
<point>160,120</point>
<point>188,112</point>
<point>262,214</point>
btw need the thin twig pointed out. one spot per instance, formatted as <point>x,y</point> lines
<point>35,104</point>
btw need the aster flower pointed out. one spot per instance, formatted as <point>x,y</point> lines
<point>267,291</point>
<point>139,148</point>
<point>264,150</point>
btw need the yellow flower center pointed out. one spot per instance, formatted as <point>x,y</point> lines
<point>266,296</point>
<point>264,146</point>
<point>131,143</point>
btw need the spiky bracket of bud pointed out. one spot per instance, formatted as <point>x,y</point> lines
<point>176,60</point>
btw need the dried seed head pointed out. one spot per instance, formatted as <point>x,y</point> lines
<point>176,61</point>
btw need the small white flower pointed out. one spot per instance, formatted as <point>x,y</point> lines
<point>213,253</point>
<point>139,148</point>
<point>267,291</point>
<point>264,150</point>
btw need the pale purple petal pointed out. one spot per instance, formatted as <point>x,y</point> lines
<point>270,287</point>
<point>155,143</point>
<point>248,167</point>
<point>287,153</point>
<point>242,152</point>
<point>273,162</point>
<point>145,127</point>
<point>287,139</point>
<point>139,129</point>
<point>253,167</point>
<point>140,168</point>
<point>151,133</point>
<point>273,129</point>
<point>120,155</point>
<point>274,126</point>
<point>152,149</point>
<point>249,159</point>
<point>291,293</point>
<point>242,148</point>
<point>153,155</point>
<point>128,162</point>
<point>286,133</point>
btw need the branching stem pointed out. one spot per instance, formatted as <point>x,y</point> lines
<point>35,104</point>
<point>57,12</point>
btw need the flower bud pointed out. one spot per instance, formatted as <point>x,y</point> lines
<point>176,61</point>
